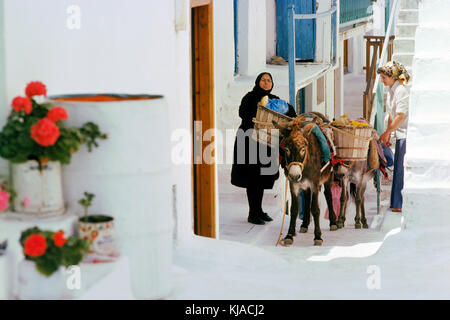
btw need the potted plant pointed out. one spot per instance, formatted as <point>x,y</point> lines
<point>37,143</point>
<point>97,228</point>
<point>7,195</point>
<point>47,253</point>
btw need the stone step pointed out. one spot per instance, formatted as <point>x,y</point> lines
<point>429,104</point>
<point>433,11</point>
<point>426,43</point>
<point>428,141</point>
<point>408,16</point>
<point>431,70</point>
<point>407,30</point>
<point>405,58</point>
<point>427,174</point>
<point>409,4</point>
<point>423,208</point>
<point>404,45</point>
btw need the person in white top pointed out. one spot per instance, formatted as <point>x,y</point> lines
<point>395,76</point>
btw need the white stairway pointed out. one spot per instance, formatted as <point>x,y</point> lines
<point>426,192</point>
<point>405,30</point>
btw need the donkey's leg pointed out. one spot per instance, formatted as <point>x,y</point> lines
<point>363,210</point>
<point>289,239</point>
<point>315,210</point>
<point>357,196</point>
<point>329,198</point>
<point>344,198</point>
<point>307,213</point>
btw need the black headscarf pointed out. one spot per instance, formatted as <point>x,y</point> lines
<point>260,92</point>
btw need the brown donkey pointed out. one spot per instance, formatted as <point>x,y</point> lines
<point>303,170</point>
<point>354,176</point>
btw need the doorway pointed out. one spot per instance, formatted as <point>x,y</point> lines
<point>202,116</point>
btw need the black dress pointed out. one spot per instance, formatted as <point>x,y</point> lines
<point>246,174</point>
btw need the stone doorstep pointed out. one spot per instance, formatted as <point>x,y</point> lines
<point>404,45</point>
<point>406,58</point>
<point>409,4</point>
<point>406,29</point>
<point>408,16</point>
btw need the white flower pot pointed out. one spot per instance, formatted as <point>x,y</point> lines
<point>35,286</point>
<point>101,233</point>
<point>43,188</point>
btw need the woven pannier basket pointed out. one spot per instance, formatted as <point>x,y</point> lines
<point>352,141</point>
<point>263,124</point>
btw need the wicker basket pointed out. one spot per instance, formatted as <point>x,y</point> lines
<point>352,141</point>
<point>263,124</point>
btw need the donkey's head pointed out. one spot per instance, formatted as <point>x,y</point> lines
<point>343,169</point>
<point>296,149</point>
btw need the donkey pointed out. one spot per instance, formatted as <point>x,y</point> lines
<point>303,170</point>
<point>354,176</point>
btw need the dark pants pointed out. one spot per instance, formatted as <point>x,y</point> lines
<point>399,172</point>
<point>255,195</point>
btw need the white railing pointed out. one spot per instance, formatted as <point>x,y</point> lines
<point>291,17</point>
<point>382,61</point>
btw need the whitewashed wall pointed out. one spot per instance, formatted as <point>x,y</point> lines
<point>120,47</point>
<point>3,100</point>
<point>271,29</point>
<point>251,36</point>
<point>223,48</point>
<point>323,32</point>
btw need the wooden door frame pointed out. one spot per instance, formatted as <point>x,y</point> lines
<point>203,175</point>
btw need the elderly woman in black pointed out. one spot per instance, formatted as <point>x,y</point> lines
<point>247,174</point>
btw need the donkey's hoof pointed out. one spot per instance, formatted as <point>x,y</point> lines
<point>318,242</point>
<point>358,225</point>
<point>340,225</point>
<point>333,227</point>
<point>365,226</point>
<point>303,230</point>
<point>287,241</point>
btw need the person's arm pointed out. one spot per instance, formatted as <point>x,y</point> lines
<point>246,110</point>
<point>392,126</point>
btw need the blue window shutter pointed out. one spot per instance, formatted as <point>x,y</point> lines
<point>305,30</point>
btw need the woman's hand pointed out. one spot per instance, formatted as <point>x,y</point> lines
<point>385,138</point>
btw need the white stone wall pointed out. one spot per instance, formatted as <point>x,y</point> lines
<point>427,165</point>
<point>251,36</point>
<point>271,29</point>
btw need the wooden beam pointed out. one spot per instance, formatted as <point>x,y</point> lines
<point>198,3</point>
<point>204,174</point>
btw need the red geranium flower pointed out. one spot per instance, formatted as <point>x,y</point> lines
<point>35,88</point>
<point>57,114</point>
<point>21,103</point>
<point>58,238</point>
<point>35,245</point>
<point>45,132</point>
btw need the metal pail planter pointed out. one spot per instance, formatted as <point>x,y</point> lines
<point>38,188</point>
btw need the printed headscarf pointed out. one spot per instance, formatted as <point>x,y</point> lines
<point>396,70</point>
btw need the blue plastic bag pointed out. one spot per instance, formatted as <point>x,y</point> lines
<point>278,105</point>
<point>388,155</point>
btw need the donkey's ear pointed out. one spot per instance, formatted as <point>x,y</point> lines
<point>285,129</point>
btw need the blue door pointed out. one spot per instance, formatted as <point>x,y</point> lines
<point>305,30</point>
